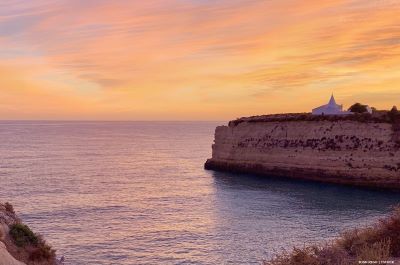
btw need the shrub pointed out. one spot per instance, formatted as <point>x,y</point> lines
<point>352,241</point>
<point>9,208</point>
<point>358,108</point>
<point>394,114</point>
<point>23,235</point>
<point>42,252</point>
<point>333,255</point>
<point>390,229</point>
<point>299,256</point>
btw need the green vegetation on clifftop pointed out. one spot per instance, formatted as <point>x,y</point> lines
<point>378,116</point>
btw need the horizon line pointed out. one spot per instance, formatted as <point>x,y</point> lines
<point>94,120</point>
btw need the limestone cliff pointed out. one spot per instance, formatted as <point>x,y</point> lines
<point>347,150</point>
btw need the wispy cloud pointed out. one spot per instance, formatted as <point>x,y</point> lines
<point>179,59</point>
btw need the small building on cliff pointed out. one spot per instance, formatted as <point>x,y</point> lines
<point>330,109</point>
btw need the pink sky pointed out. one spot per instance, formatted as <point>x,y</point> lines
<point>194,60</point>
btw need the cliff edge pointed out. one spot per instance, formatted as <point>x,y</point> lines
<point>18,244</point>
<point>359,150</point>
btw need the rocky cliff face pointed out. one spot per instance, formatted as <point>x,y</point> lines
<point>338,151</point>
<point>19,245</point>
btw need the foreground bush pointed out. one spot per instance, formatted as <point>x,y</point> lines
<point>42,252</point>
<point>377,243</point>
<point>23,235</point>
<point>37,248</point>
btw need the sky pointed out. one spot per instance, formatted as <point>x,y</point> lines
<point>194,59</point>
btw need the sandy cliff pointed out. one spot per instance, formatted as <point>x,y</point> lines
<point>18,244</point>
<point>6,258</point>
<point>7,218</point>
<point>338,150</point>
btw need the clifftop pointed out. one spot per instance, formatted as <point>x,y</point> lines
<point>376,117</point>
<point>18,244</point>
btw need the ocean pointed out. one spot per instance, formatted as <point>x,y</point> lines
<point>137,193</point>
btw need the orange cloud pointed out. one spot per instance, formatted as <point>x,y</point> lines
<point>195,59</point>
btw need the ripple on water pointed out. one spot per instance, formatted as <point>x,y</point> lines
<point>136,193</point>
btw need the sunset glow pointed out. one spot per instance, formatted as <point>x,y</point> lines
<point>194,59</point>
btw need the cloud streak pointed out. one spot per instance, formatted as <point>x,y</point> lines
<point>194,59</point>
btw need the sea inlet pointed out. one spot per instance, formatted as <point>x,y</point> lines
<point>137,193</point>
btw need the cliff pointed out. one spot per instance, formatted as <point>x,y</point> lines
<point>356,149</point>
<point>18,244</point>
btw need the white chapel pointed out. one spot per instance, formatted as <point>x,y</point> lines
<point>330,109</point>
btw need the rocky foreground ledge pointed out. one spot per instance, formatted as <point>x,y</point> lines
<point>358,149</point>
<point>19,245</point>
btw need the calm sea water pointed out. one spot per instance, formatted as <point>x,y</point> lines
<point>136,193</point>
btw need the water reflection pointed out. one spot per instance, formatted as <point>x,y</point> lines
<point>313,195</point>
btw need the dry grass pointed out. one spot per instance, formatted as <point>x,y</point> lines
<point>376,243</point>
